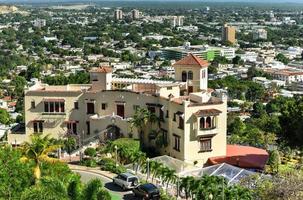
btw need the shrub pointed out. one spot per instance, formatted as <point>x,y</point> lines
<point>91,152</point>
<point>110,165</point>
<point>103,195</point>
<point>89,162</point>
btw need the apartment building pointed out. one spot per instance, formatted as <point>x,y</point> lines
<point>118,15</point>
<point>205,52</point>
<point>289,75</point>
<point>192,121</point>
<point>229,34</point>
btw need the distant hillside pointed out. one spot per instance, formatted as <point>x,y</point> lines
<point>7,9</point>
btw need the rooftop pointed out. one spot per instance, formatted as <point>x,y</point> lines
<point>102,69</point>
<point>191,60</point>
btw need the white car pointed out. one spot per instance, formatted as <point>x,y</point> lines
<point>126,181</point>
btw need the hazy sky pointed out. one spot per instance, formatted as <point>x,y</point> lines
<point>263,1</point>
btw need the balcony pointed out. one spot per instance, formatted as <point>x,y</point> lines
<point>207,131</point>
<point>53,113</point>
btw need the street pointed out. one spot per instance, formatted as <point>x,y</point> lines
<point>108,184</point>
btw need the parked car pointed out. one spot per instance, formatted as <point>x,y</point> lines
<point>126,181</point>
<point>147,191</point>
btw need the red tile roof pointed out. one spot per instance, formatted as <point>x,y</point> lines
<point>102,69</point>
<point>207,112</point>
<point>192,60</point>
<point>242,156</point>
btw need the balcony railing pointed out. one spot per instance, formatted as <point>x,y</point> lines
<point>207,131</point>
<point>208,128</point>
<point>53,113</point>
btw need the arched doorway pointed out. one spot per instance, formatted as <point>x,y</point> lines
<point>184,76</point>
<point>112,132</point>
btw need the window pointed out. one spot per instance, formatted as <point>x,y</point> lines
<point>190,75</point>
<point>38,127</point>
<point>51,107</point>
<point>46,107</point>
<point>104,106</point>
<point>57,106</point>
<point>72,127</point>
<point>167,113</point>
<point>33,105</point>
<point>177,142</point>
<point>208,122</point>
<point>62,107</point>
<point>76,105</point>
<point>152,109</point>
<point>184,76</point>
<point>54,107</point>
<point>181,123</point>
<point>169,88</point>
<point>161,115</point>
<point>164,137</point>
<point>202,123</point>
<point>90,108</point>
<point>203,73</point>
<point>174,117</point>
<point>88,128</point>
<point>205,144</point>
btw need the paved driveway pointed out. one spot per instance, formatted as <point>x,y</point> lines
<point>108,184</point>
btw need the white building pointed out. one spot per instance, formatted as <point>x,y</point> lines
<point>177,21</point>
<point>260,34</point>
<point>39,23</point>
<point>289,75</point>
<point>118,15</point>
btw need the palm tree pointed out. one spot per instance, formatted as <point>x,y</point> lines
<point>140,120</point>
<point>155,168</point>
<point>70,145</point>
<point>186,184</point>
<point>138,158</point>
<point>38,151</point>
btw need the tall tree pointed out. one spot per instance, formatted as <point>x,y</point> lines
<point>38,151</point>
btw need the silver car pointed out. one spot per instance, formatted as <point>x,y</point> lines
<point>126,181</point>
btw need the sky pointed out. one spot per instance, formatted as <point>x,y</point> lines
<point>250,1</point>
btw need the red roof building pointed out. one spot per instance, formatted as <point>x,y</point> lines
<point>191,60</point>
<point>242,156</point>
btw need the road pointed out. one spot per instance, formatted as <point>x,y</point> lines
<point>108,184</point>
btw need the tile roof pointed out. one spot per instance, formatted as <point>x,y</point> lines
<point>102,69</point>
<point>192,60</point>
<point>207,112</point>
<point>242,156</point>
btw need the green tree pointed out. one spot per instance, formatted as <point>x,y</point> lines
<point>4,117</point>
<point>70,144</point>
<point>37,151</point>
<point>280,57</point>
<point>14,175</point>
<point>47,189</point>
<point>274,161</point>
<point>91,152</point>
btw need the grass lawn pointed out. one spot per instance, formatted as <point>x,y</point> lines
<point>115,196</point>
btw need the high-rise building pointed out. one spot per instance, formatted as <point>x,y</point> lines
<point>260,34</point>
<point>229,34</point>
<point>118,14</point>
<point>135,14</point>
<point>177,21</point>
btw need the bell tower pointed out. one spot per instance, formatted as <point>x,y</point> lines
<point>101,78</point>
<point>192,70</point>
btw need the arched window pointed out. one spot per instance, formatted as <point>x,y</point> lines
<point>208,122</point>
<point>202,123</point>
<point>190,75</point>
<point>184,76</point>
<point>214,122</point>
